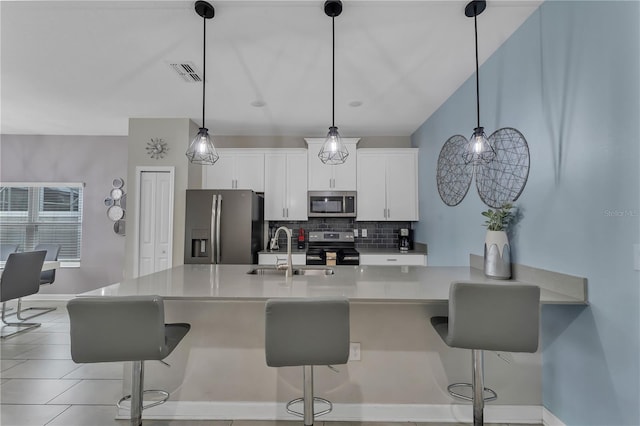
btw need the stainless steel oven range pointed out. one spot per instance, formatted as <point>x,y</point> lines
<point>332,248</point>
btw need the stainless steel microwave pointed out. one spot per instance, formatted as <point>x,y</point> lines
<point>331,204</point>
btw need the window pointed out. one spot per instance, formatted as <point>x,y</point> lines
<point>34,213</point>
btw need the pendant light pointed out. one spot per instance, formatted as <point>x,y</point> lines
<point>201,149</point>
<point>333,151</point>
<point>499,163</point>
<point>478,150</point>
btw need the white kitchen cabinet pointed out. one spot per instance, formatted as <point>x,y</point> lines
<point>390,259</point>
<point>236,169</point>
<point>297,259</point>
<point>327,177</point>
<point>285,185</point>
<point>387,184</point>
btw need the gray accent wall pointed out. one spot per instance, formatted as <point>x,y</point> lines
<point>568,79</point>
<point>177,133</point>
<point>93,160</point>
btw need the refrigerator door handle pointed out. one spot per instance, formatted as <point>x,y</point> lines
<point>218,215</point>
<point>214,203</point>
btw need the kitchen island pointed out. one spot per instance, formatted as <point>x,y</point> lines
<point>219,370</point>
<point>410,284</point>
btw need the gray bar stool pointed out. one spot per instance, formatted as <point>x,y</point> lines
<point>20,278</point>
<point>113,329</point>
<point>493,317</point>
<point>307,332</point>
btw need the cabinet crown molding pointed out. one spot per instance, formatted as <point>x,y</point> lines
<point>311,141</point>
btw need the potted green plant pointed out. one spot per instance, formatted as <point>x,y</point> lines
<point>497,251</point>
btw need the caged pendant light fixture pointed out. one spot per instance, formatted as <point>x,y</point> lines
<point>479,150</point>
<point>333,151</point>
<point>201,149</point>
<point>499,163</point>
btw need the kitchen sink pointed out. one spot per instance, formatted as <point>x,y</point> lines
<point>269,270</point>
<point>313,271</point>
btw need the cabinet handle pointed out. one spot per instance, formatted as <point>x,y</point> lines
<point>392,260</point>
<point>388,213</point>
<point>283,213</point>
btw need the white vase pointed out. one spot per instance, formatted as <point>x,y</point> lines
<point>497,255</point>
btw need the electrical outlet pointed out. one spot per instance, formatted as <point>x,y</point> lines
<point>354,351</point>
<point>364,233</point>
<point>355,232</point>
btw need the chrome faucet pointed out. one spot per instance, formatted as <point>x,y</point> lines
<point>288,265</point>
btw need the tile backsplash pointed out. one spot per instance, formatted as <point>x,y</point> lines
<point>379,234</point>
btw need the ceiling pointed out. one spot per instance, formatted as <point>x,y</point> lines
<point>86,67</point>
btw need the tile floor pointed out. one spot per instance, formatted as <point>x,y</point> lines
<point>40,385</point>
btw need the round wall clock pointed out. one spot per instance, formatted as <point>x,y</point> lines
<point>157,148</point>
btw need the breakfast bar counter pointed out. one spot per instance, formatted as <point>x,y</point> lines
<point>403,368</point>
<point>411,284</point>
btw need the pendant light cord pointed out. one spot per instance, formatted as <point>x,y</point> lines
<point>475,22</point>
<point>333,72</point>
<point>204,64</point>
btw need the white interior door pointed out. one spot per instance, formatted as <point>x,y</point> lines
<point>155,225</point>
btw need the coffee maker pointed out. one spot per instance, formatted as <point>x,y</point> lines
<point>405,239</point>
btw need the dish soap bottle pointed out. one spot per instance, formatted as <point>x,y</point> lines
<point>301,239</point>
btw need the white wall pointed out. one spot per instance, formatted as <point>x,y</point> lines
<point>94,160</point>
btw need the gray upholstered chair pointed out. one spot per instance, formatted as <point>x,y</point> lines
<point>112,329</point>
<point>494,317</point>
<point>20,277</point>
<point>46,277</point>
<point>307,332</point>
<point>6,250</point>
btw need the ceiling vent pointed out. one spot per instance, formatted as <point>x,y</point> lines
<point>187,71</point>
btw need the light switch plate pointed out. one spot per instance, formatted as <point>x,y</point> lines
<point>355,232</point>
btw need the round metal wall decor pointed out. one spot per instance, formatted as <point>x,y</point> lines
<point>116,204</point>
<point>453,175</point>
<point>498,181</point>
<point>503,179</point>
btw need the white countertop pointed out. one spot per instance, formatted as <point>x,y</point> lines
<point>413,284</point>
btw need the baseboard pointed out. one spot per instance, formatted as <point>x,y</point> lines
<point>444,413</point>
<point>548,419</point>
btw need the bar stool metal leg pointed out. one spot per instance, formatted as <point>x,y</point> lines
<point>136,393</point>
<point>478,386</point>
<point>307,377</point>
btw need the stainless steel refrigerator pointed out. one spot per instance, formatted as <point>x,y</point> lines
<point>223,226</point>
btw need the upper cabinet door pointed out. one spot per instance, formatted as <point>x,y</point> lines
<point>402,186</point>
<point>324,177</point>
<point>221,174</point>
<point>249,171</point>
<point>275,181</point>
<point>285,190</point>
<point>236,169</point>
<point>388,184</point>
<point>297,186</point>
<point>372,201</point>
